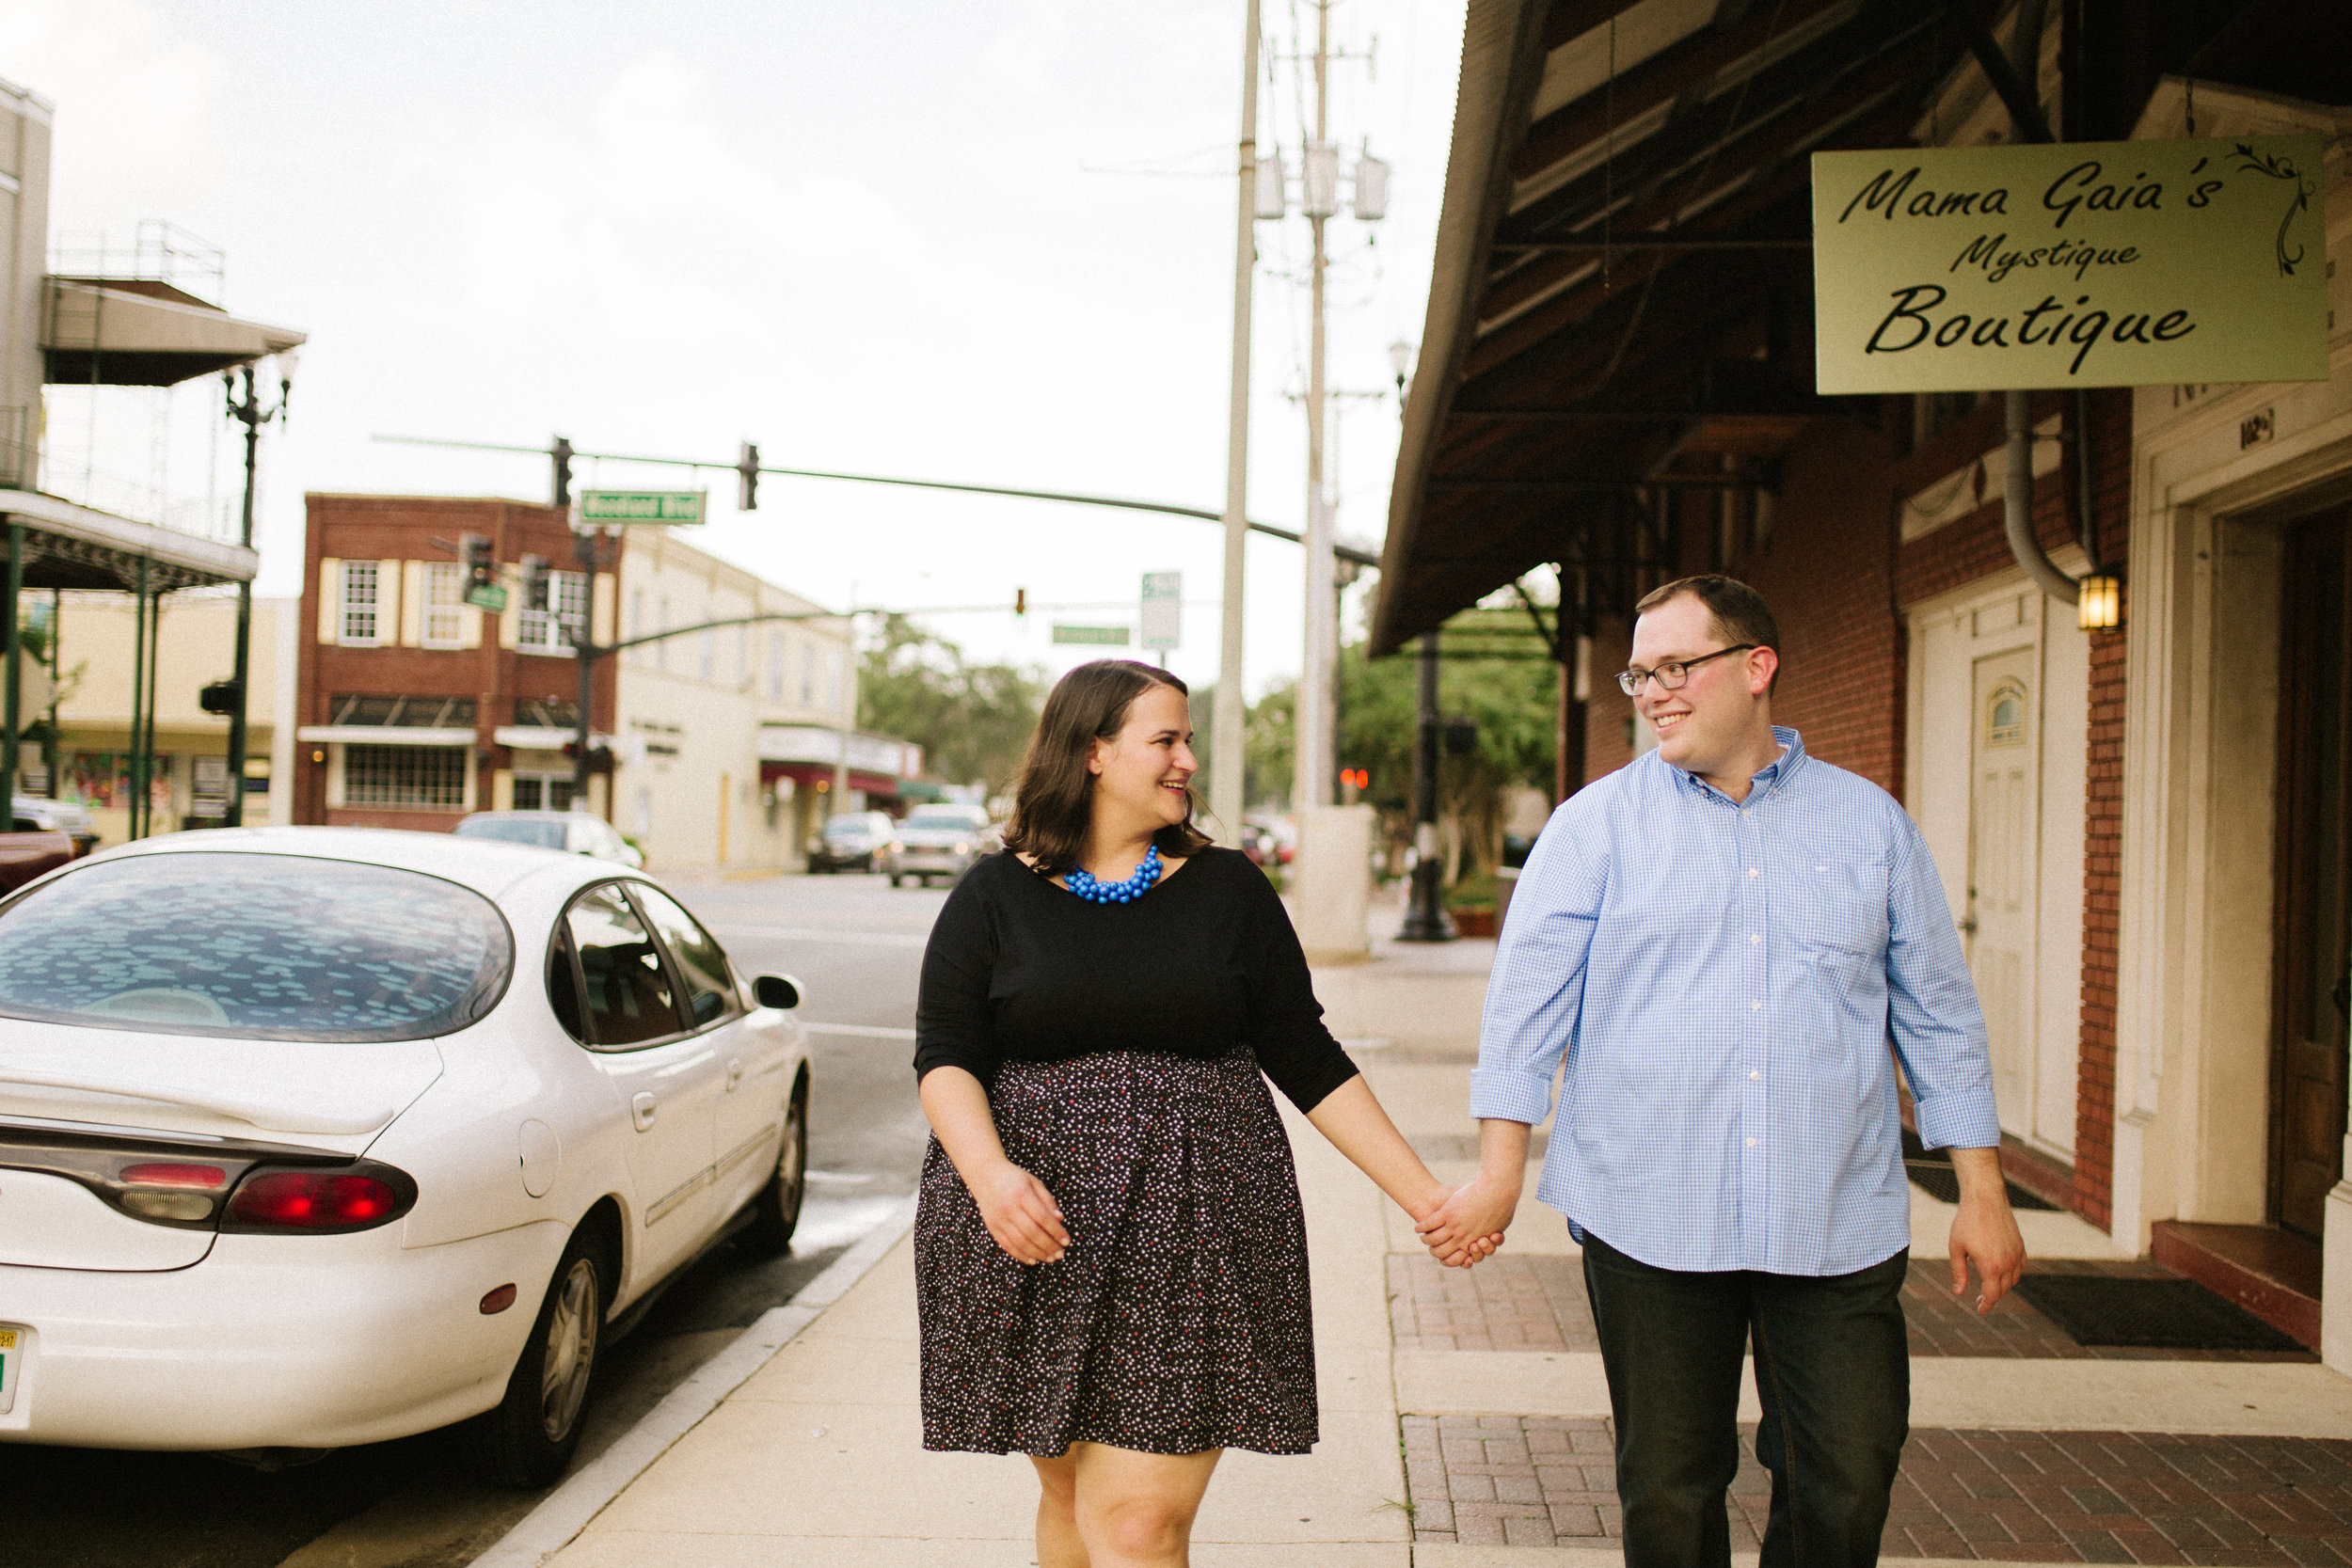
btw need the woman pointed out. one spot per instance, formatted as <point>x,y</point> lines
<point>1110,1255</point>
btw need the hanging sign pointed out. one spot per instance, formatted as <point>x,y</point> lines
<point>1944,269</point>
<point>611,508</point>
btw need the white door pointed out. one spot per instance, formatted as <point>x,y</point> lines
<point>2004,795</point>
<point>667,1081</point>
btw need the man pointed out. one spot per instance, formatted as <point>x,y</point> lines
<point>1718,940</point>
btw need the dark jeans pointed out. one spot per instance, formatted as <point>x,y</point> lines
<point>1831,1368</point>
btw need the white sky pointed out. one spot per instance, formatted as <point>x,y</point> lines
<point>864,236</point>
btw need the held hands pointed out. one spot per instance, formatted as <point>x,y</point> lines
<point>1467,1224</point>
<point>1021,1214</point>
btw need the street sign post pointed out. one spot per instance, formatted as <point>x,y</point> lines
<point>489,595</point>
<point>1099,637</point>
<point>623,508</point>
<point>1163,611</point>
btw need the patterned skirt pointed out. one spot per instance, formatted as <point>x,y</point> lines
<point>1178,1319</point>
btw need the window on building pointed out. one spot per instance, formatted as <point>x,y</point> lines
<point>543,630</point>
<point>543,792</point>
<point>637,622</point>
<point>444,584</point>
<point>776,666</point>
<point>708,650</point>
<point>742,655</point>
<point>834,693</point>
<point>360,621</point>
<point>405,775</point>
<point>808,674</point>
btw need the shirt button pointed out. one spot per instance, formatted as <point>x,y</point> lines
<point>1755,1007</point>
<point>1753,872</point>
<point>1755,936</point>
<point>1755,1075</point>
<point>1751,1143</point>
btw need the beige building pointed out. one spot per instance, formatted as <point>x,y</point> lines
<point>189,781</point>
<point>727,736</point>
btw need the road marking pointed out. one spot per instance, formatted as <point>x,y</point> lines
<point>813,933</point>
<point>868,1031</point>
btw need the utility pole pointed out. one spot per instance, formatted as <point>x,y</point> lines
<point>1315,721</point>
<point>1229,779</point>
<point>845,703</point>
<point>248,412</point>
<point>594,549</point>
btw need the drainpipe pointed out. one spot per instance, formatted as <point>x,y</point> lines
<point>2017,488</point>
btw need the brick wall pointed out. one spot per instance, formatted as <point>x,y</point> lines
<point>1840,582</point>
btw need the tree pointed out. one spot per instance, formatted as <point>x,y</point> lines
<point>973,720</point>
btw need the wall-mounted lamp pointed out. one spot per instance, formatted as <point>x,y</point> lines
<point>2099,603</point>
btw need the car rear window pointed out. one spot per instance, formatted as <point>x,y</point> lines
<point>539,832</point>
<point>940,817</point>
<point>279,948</point>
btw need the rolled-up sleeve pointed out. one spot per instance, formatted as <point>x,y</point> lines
<point>1932,1006</point>
<point>1537,990</point>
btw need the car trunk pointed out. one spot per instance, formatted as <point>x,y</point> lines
<point>121,1097</point>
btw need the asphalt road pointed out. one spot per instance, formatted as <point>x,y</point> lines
<point>856,945</point>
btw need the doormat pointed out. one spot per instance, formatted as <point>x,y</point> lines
<point>2157,1314</point>
<point>1936,1178</point>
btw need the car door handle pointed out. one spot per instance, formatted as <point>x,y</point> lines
<point>642,1108</point>
<point>734,1072</point>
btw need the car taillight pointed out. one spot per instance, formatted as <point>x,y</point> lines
<point>319,1202</point>
<point>170,1189</point>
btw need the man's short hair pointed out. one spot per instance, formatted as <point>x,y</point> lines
<point>1737,611</point>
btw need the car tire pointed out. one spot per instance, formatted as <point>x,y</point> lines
<point>528,1438</point>
<point>777,1211</point>
<point>897,880</point>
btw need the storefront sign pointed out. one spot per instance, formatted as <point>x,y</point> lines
<point>2080,265</point>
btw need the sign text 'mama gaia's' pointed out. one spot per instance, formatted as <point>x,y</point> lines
<point>1941,295</point>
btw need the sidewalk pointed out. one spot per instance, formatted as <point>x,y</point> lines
<point>1465,1419</point>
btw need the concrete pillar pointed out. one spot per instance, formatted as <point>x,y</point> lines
<point>1333,882</point>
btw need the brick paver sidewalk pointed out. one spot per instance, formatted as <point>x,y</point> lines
<point>2054,1496</point>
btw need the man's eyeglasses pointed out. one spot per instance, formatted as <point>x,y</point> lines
<point>1674,672</point>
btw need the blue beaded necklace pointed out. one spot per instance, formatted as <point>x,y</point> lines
<point>1082,883</point>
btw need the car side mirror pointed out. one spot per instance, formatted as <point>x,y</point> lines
<point>777,991</point>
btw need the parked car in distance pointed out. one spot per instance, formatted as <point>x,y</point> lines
<point>37,814</point>
<point>848,842</point>
<point>938,841</point>
<point>575,832</point>
<point>26,855</point>
<point>320,1136</point>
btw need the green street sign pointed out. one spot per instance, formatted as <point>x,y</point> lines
<point>1101,637</point>
<point>618,508</point>
<point>490,596</point>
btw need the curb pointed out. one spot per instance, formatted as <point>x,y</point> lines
<point>563,1512</point>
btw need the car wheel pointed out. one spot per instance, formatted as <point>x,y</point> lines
<point>897,880</point>
<point>528,1438</point>
<point>777,1211</point>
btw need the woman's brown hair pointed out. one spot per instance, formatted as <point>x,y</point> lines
<point>1054,801</point>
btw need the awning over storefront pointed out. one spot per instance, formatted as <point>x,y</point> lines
<point>807,775</point>
<point>1621,299</point>
<point>140,332</point>
<point>809,744</point>
<point>75,546</point>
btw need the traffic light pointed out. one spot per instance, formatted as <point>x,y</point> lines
<point>481,573</point>
<point>562,452</point>
<point>1020,601</point>
<point>746,478</point>
<point>535,582</point>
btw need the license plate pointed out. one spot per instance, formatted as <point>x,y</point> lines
<point>9,1356</point>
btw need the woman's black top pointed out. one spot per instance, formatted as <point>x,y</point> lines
<point>1021,969</point>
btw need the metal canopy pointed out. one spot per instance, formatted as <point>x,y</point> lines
<point>67,545</point>
<point>140,332</point>
<point>1621,299</point>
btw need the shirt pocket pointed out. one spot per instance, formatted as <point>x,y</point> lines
<point>1842,916</point>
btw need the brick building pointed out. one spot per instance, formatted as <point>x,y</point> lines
<point>413,707</point>
<point>2138,829</point>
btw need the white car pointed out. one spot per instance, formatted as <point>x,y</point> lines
<point>315,1136</point>
<point>938,841</point>
<point>575,832</point>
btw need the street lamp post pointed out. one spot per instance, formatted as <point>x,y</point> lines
<point>248,411</point>
<point>1424,912</point>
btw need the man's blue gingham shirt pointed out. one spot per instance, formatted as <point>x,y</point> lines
<point>1721,979</point>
